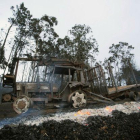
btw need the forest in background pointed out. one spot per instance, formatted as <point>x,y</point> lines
<point>28,36</point>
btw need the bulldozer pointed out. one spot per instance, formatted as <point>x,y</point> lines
<point>62,83</point>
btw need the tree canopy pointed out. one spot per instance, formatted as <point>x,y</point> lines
<point>36,36</point>
<point>79,45</point>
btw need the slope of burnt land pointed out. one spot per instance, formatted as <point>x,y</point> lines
<point>118,126</point>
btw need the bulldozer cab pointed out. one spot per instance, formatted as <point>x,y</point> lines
<point>59,77</point>
<point>47,76</point>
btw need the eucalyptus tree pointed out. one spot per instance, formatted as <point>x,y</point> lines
<point>120,55</point>
<point>19,23</point>
<point>21,19</point>
<point>79,45</point>
<point>127,60</point>
<point>34,36</point>
<point>43,34</point>
<point>63,48</point>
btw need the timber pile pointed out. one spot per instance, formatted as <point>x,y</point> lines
<point>118,126</point>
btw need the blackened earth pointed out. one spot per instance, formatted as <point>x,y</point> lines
<point>118,127</point>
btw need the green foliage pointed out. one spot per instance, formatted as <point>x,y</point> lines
<point>36,36</point>
<point>79,45</point>
<point>121,52</point>
<point>32,35</point>
<point>42,32</point>
<point>21,19</point>
<point>121,56</point>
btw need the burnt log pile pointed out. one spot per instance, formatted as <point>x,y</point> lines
<point>118,126</point>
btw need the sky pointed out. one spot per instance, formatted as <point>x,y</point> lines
<point>112,21</point>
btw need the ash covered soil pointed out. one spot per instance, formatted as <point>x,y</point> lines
<point>118,121</point>
<point>119,126</point>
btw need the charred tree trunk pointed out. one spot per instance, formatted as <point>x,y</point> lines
<point>7,35</point>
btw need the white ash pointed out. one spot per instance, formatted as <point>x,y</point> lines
<point>127,107</point>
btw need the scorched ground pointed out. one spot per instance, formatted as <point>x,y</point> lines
<point>118,121</point>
